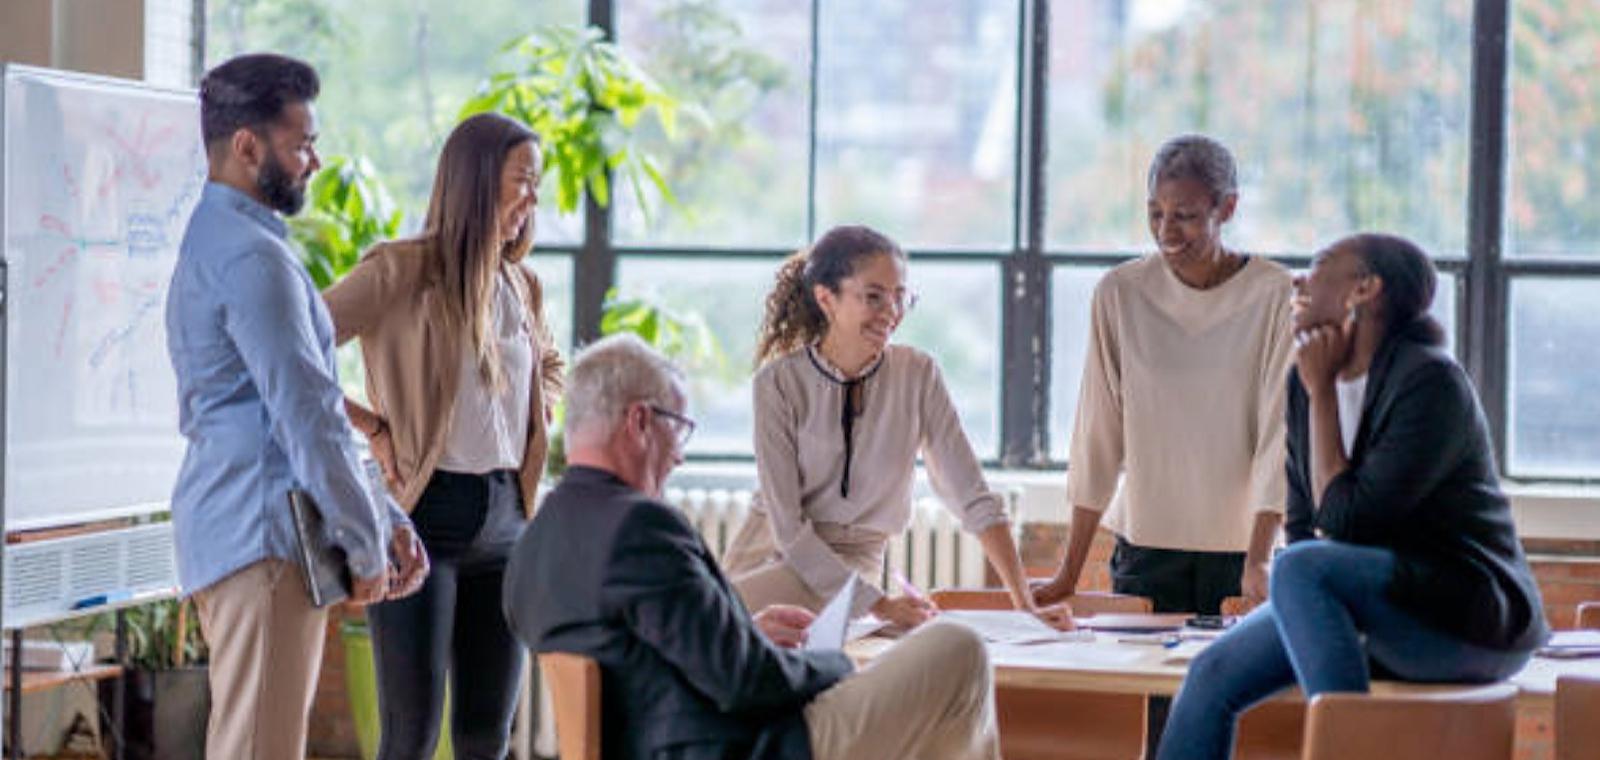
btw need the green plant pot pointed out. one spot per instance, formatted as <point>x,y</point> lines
<point>361,683</point>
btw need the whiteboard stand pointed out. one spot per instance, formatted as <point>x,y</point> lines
<point>97,178</point>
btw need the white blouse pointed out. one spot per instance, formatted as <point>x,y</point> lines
<point>489,429</point>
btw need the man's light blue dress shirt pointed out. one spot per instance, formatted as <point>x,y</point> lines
<point>259,400</point>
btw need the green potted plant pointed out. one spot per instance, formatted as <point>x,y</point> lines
<point>166,692</point>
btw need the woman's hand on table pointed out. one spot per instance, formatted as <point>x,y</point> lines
<point>905,611</point>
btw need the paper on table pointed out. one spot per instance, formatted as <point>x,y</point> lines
<point>864,626</point>
<point>1569,645</point>
<point>828,630</point>
<point>1011,627</point>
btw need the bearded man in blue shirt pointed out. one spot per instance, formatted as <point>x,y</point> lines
<point>259,402</point>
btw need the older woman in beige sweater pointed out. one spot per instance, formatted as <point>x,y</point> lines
<point>1178,443</point>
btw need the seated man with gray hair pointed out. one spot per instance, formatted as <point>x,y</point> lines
<point>608,571</point>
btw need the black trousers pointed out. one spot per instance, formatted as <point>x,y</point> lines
<point>1175,581</point>
<point>453,628</point>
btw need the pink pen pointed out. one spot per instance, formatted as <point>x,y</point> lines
<point>907,588</point>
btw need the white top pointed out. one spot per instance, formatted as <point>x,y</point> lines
<point>1351,393</point>
<point>1183,389</point>
<point>800,456</point>
<point>488,429</point>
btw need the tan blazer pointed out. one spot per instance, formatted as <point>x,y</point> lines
<point>392,301</point>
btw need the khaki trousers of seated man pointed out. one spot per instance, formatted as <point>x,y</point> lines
<point>929,697</point>
<point>763,577</point>
<point>266,648</point>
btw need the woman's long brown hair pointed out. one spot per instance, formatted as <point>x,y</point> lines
<point>463,225</point>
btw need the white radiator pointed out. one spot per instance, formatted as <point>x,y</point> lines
<point>933,552</point>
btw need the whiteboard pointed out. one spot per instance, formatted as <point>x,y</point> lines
<point>100,176</point>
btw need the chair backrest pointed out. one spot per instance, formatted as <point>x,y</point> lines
<point>1589,614</point>
<point>575,687</point>
<point>1083,604</point>
<point>1466,723</point>
<point>1577,717</point>
<point>1237,605</point>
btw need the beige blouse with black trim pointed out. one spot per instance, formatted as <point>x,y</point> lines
<point>904,410</point>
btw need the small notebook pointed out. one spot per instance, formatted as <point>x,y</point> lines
<point>321,562</point>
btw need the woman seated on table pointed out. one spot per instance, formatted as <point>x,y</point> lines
<point>1403,552</point>
<point>840,417</point>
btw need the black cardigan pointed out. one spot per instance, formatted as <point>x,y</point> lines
<point>1422,483</point>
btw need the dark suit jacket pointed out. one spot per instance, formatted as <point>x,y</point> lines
<point>605,571</point>
<point>1422,483</point>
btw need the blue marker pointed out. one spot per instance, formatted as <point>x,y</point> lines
<point>101,600</point>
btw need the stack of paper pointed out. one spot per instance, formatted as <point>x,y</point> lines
<point>1571,645</point>
<point>1011,627</point>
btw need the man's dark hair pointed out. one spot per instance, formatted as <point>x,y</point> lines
<point>251,91</point>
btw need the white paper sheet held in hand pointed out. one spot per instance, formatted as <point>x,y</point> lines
<point>828,630</point>
<point>1011,627</point>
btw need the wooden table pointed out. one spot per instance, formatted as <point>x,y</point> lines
<point>1107,666</point>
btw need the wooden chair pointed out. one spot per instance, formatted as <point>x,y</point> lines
<point>1588,615</point>
<point>1044,723</point>
<point>1467,723</point>
<point>1237,605</point>
<point>1577,718</point>
<point>1272,730</point>
<point>575,687</point>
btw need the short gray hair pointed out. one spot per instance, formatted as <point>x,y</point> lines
<point>1199,158</point>
<point>612,373</point>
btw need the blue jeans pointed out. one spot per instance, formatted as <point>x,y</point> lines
<point>1327,618</point>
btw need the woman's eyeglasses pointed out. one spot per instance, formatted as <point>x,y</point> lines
<point>879,301</point>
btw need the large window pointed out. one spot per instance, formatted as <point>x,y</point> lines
<point>1344,115</point>
<point>916,119</point>
<point>740,169</point>
<point>1555,127</point>
<point>911,129</point>
<point>1553,223</point>
<point>1014,173</point>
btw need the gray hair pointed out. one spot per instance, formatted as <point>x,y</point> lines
<point>612,373</point>
<point>1199,158</point>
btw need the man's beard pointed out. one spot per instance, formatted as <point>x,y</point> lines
<point>281,192</point>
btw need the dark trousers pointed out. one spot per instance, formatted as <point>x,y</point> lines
<point>453,626</point>
<point>1174,581</point>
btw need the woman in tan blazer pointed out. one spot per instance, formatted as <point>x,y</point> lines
<point>461,373</point>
